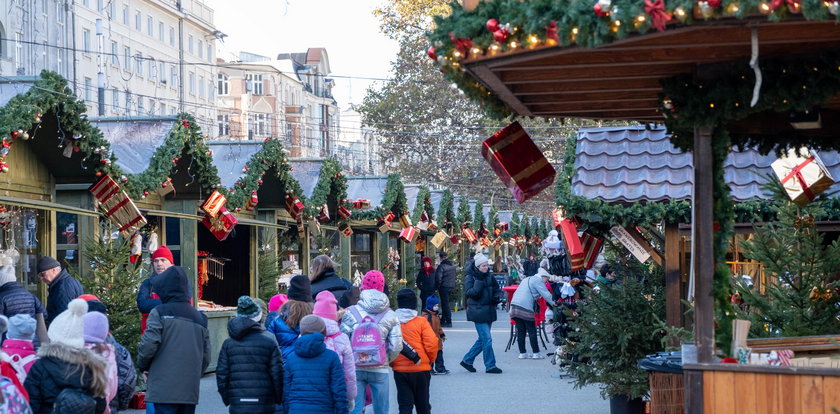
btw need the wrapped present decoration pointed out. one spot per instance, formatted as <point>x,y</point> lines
<point>221,225</point>
<point>383,225</point>
<point>166,187</point>
<point>518,162</point>
<point>117,205</point>
<point>485,242</point>
<point>343,212</point>
<point>574,248</point>
<point>496,232</point>
<point>423,223</point>
<point>498,242</point>
<point>301,230</point>
<point>503,226</point>
<point>345,229</point>
<point>439,238</point>
<point>454,239</point>
<point>469,235</point>
<point>324,214</point>
<point>314,227</point>
<point>591,248</point>
<point>361,204</point>
<point>408,234</point>
<point>251,202</point>
<point>433,225</point>
<point>294,206</point>
<point>405,220</point>
<point>214,203</point>
<point>803,177</point>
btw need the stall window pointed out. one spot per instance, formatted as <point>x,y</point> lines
<point>67,240</point>
<point>361,254</point>
<point>325,243</point>
<point>173,237</point>
<point>19,240</point>
<point>289,249</point>
<point>394,249</point>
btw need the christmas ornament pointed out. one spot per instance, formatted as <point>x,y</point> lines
<point>38,118</point>
<point>803,177</point>
<point>405,220</point>
<point>408,234</point>
<point>656,10</point>
<point>166,187</point>
<point>551,32</point>
<point>602,7</point>
<point>24,136</point>
<point>344,212</point>
<point>518,162</point>
<point>117,205</point>
<point>324,214</point>
<point>251,202</point>
<point>361,204</point>
<point>123,179</point>
<point>431,53</point>
<point>461,45</point>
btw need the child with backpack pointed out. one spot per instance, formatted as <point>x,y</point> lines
<point>18,352</point>
<point>12,399</point>
<point>431,315</point>
<point>412,378</point>
<point>96,330</point>
<point>326,306</point>
<point>376,339</point>
<point>313,380</point>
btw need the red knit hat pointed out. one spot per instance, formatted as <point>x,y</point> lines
<point>164,252</point>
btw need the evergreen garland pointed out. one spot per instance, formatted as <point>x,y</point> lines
<point>464,215</point>
<point>331,185</point>
<point>493,216</point>
<point>424,204</point>
<point>272,154</point>
<point>516,228</point>
<point>478,216</point>
<point>447,219</point>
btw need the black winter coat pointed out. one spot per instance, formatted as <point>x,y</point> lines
<point>50,374</point>
<point>426,283</point>
<point>250,370</point>
<point>331,282</point>
<point>446,275</point>
<point>482,294</point>
<point>63,289</point>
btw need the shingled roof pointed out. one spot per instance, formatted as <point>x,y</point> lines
<point>629,164</point>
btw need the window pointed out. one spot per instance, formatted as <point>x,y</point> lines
<point>172,233</point>
<point>152,68</point>
<point>191,82</point>
<point>160,31</point>
<point>150,26</point>
<point>190,44</point>
<point>100,5</point>
<point>224,125</point>
<point>127,58</point>
<point>127,102</point>
<point>115,99</point>
<point>161,72</point>
<point>222,84</point>
<point>139,105</point>
<point>254,84</point>
<point>151,106</point>
<point>171,36</point>
<point>112,9</point>
<point>361,255</point>
<point>201,49</point>
<point>138,21</point>
<point>88,89</point>
<point>139,59</point>
<point>173,75</point>
<point>201,87</point>
<point>86,40</point>
<point>85,3</point>
<point>259,125</point>
<point>59,11</point>
<point>210,53</point>
<point>67,240</point>
<point>115,60</point>
<point>18,50</point>
<point>211,91</point>
<point>125,14</point>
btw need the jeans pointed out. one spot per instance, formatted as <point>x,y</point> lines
<point>521,326</point>
<point>413,391</point>
<point>445,311</point>
<point>378,382</point>
<point>175,408</point>
<point>439,362</point>
<point>484,343</point>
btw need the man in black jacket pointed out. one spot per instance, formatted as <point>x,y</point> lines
<point>446,276</point>
<point>63,287</point>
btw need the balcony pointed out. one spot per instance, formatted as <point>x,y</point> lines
<point>294,110</point>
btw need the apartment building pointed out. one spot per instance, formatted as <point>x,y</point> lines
<point>146,57</point>
<point>358,145</point>
<point>36,35</point>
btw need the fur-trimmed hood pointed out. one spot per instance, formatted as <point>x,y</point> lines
<point>78,356</point>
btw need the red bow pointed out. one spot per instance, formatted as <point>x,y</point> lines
<point>658,15</point>
<point>460,44</point>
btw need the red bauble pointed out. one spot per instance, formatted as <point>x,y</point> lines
<point>14,134</point>
<point>431,53</point>
<point>76,148</point>
<point>259,182</point>
<point>145,193</point>
<point>500,35</point>
<point>492,25</point>
<point>600,12</point>
<point>174,160</point>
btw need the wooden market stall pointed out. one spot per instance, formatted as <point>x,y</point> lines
<point>687,62</point>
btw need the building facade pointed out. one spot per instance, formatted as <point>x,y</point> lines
<point>36,35</point>
<point>358,146</point>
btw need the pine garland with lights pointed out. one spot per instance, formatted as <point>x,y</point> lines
<point>331,183</point>
<point>493,217</point>
<point>424,204</point>
<point>446,217</point>
<point>464,215</point>
<point>271,154</point>
<point>478,216</point>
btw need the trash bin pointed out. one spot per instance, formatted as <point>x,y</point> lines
<point>667,388</point>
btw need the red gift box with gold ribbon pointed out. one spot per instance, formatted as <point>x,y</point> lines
<point>408,234</point>
<point>214,203</point>
<point>469,235</point>
<point>591,249</point>
<point>571,240</point>
<point>518,162</point>
<point>221,225</point>
<point>344,213</point>
<point>294,206</point>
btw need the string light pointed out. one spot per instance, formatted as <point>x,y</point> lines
<point>533,41</point>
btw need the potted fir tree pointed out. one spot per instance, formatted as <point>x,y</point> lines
<point>613,331</point>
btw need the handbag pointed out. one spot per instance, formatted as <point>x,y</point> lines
<point>74,401</point>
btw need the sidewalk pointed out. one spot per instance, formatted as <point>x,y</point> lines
<point>526,386</point>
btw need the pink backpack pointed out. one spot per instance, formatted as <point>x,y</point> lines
<point>367,343</point>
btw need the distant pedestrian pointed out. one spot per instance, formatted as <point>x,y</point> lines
<point>249,375</point>
<point>412,379</point>
<point>314,380</point>
<point>446,277</point>
<point>286,326</point>
<point>323,277</point>
<point>274,305</point>
<point>522,307</point>
<point>607,276</point>
<point>483,295</point>
<point>372,359</point>
<point>15,300</point>
<point>175,349</point>
<point>62,287</point>
<point>426,279</point>
<point>431,315</point>
<point>326,307</point>
<point>96,331</point>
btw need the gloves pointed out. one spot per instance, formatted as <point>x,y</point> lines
<point>351,404</point>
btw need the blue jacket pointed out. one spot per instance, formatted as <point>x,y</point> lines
<point>285,335</point>
<point>314,380</point>
<point>14,299</point>
<point>63,289</point>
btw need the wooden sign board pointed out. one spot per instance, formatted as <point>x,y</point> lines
<point>629,242</point>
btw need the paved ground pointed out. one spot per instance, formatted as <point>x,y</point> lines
<point>526,386</point>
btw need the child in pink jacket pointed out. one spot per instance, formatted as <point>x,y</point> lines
<point>18,350</point>
<point>326,306</point>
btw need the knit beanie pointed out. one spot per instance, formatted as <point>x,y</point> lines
<point>46,263</point>
<point>68,328</point>
<point>164,252</point>
<point>21,326</point>
<point>326,305</point>
<point>406,299</point>
<point>431,301</point>
<point>97,306</point>
<point>276,302</point>
<point>312,323</point>
<point>7,274</point>
<point>247,308</point>
<point>96,327</point>
<point>480,259</point>
<point>300,289</point>
<point>373,280</point>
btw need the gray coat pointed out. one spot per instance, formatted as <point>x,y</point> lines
<point>531,288</point>
<point>374,302</point>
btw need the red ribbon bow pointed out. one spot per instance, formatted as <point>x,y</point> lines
<point>460,44</point>
<point>658,15</point>
<point>796,174</point>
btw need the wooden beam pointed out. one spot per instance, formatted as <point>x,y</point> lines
<point>702,245</point>
<point>655,254</point>
<point>693,397</point>
<point>495,84</point>
<point>575,108</point>
<point>523,76</point>
<point>673,296</point>
<point>637,85</point>
<point>627,96</point>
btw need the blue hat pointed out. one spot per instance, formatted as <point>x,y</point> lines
<point>431,301</point>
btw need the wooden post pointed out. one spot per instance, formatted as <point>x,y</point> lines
<point>673,309</point>
<point>344,248</point>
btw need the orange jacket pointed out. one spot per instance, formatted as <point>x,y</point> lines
<point>419,334</point>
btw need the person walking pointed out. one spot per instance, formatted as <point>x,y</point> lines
<point>326,306</point>
<point>175,349</point>
<point>16,300</point>
<point>314,380</point>
<point>431,315</point>
<point>483,294</point>
<point>323,277</point>
<point>446,277</point>
<point>522,307</point>
<point>373,308</point>
<point>426,279</point>
<point>62,287</point>
<point>285,327</point>
<point>412,379</point>
<point>530,266</point>
<point>96,330</point>
<point>249,375</point>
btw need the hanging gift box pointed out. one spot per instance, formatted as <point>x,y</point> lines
<point>117,205</point>
<point>518,162</point>
<point>345,229</point>
<point>408,234</point>
<point>324,214</point>
<point>405,220</point>
<point>294,206</point>
<point>803,177</point>
<point>343,212</point>
<point>439,238</point>
<point>221,225</point>
<point>433,225</point>
<point>469,235</point>
<point>420,244</point>
<point>423,224</point>
<point>496,232</point>
<point>314,227</point>
<point>591,249</point>
<point>301,230</point>
<point>571,240</point>
<point>251,202</point>
<point>166,187</point>
<point>454,239</point>
<point>361,204</point>
<point>483,232</point>
<point>503,226</point>
<point>214,203</point>
<point>383,225</point>
<point>485,242</point>
<point>498,242</point>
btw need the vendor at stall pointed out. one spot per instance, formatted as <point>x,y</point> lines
<point>146,298</point>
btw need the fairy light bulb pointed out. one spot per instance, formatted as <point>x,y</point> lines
<point>494,48</point>
<point>764,8</point>
<point>641,19</point>
<point>513,44</point>
<point>456,54</point>
<point>533,41</point>
<point>475,52</point>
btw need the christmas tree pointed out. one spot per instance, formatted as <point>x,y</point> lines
<point>801,292</point>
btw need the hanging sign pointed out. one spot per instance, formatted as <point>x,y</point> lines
<point>630,243</point>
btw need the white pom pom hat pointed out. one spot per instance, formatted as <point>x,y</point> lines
<point>68,327</point>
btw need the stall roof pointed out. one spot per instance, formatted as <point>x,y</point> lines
<point>370,187</point>
<point>12,86</point>
<point>307,172</point>
<point>505,215</point>
<point>134,139</point>
<point>436,196</point>
<point>230,157</point>
<point>411,193</point>
<point>628,164</point>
